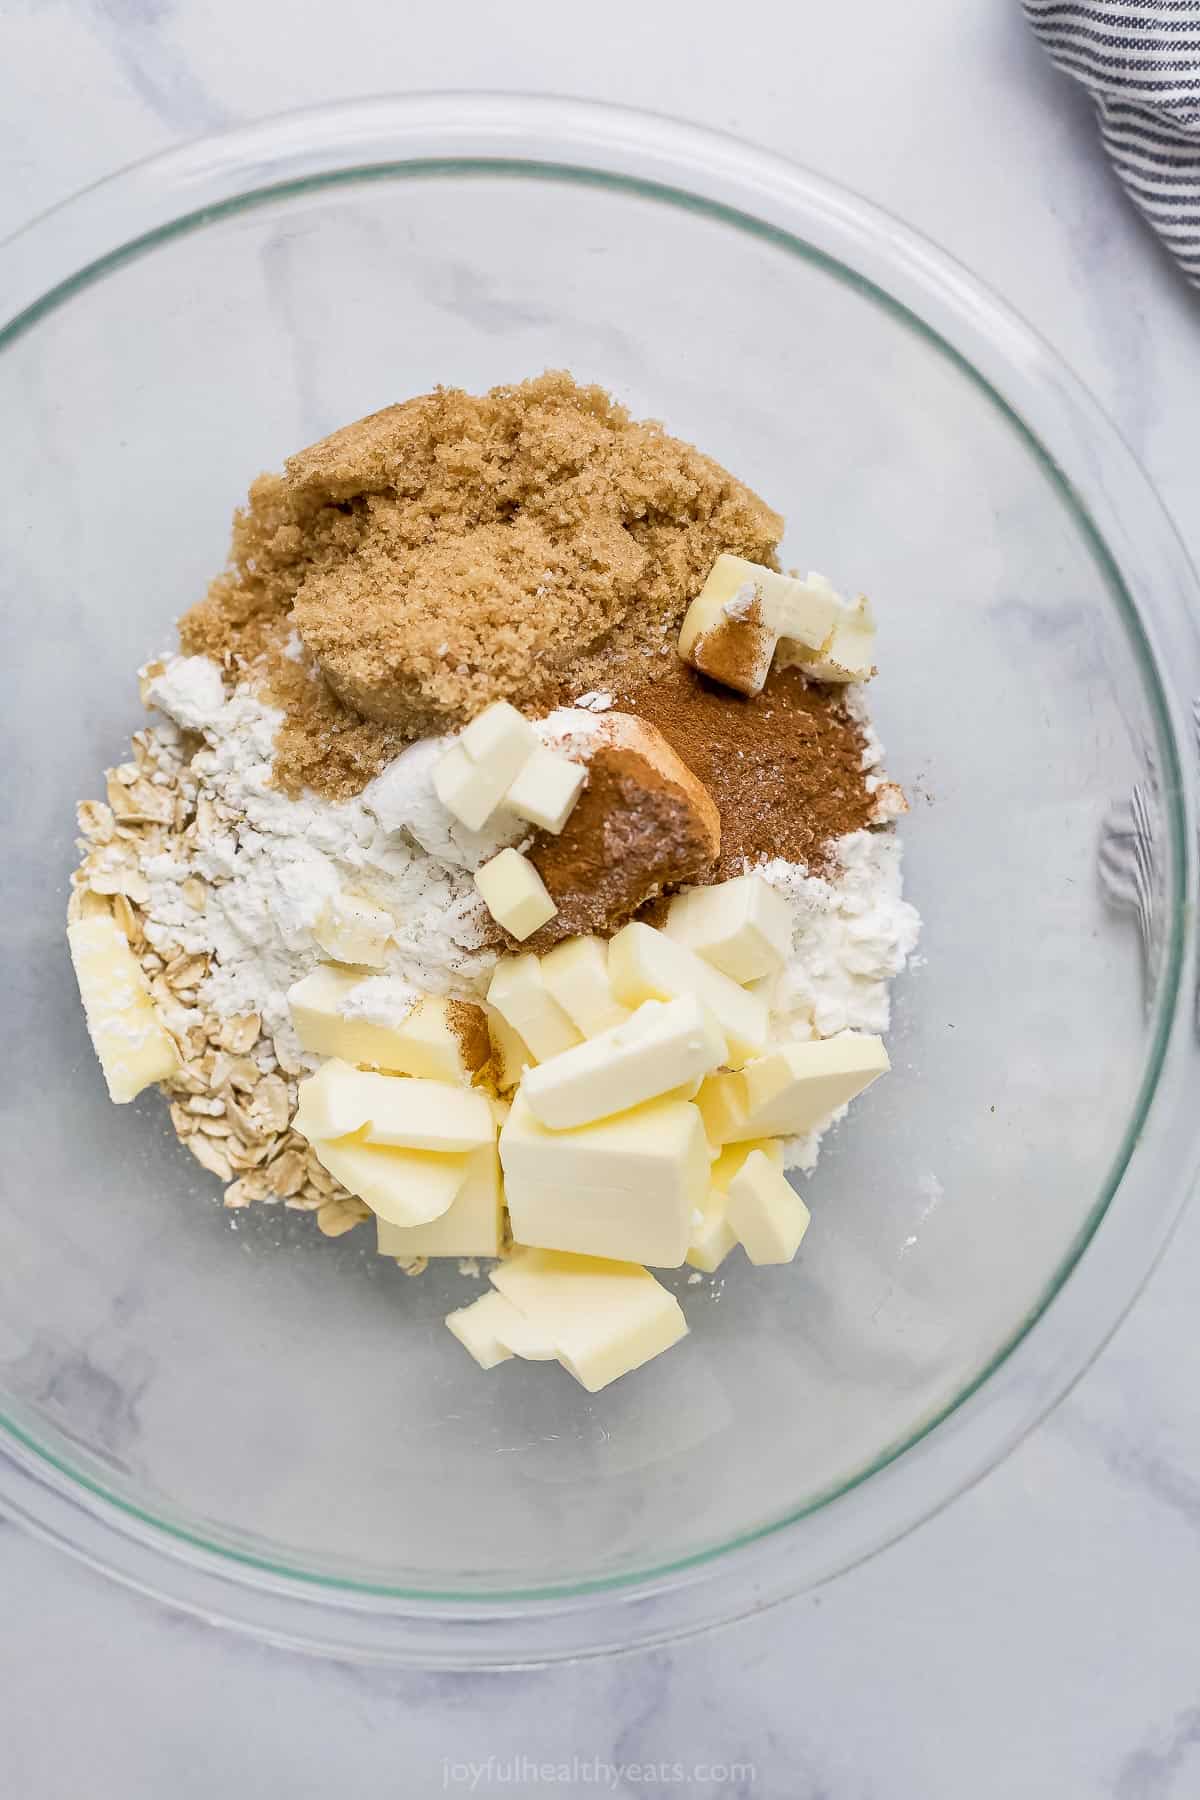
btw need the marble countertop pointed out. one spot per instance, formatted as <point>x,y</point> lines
<point>1036,1639</point>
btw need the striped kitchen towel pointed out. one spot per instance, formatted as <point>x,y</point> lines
<point>1140,60</point>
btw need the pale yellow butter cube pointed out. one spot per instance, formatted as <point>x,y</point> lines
<point>795,1088</point>
<point>472,1225</point>
<point>462,790</point>
<point>604,1317</point>
<point>494,1330</point>
<point>515,894</point>
<point>404,1187</point>
<point>575,973</point>
<point>624,1187</point>
<point>478,1327</point>
<point>315,1005</point>
<point>724,632</point>
<point>520,996</point>
<point>662,1047</point>
<point>742,927</point>
<point>713,1237</point>
<point>511,1056</point>
<point>723,1106</point>
<point>353,931</point>
<point>133,1045</point>
<point>764,1212</point>
<point>441,1039</point>
<point>499,734</point>
<point>444,1040</point>
<point>399,1110</point>
<point>801,611</point>
<point>848,651</point>
<point>733,1158</point>
<point>546,789</point>
<point>645,964</point>
<point>483,761</point>
<point>329,1105</point>
<point>733,626</point>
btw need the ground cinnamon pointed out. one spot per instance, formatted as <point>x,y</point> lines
<point>633,832</point>
<point>784,767</point>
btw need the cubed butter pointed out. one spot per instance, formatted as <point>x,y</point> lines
<point>791,1090</point>
<point>520,996</point>
<point>712,1237</point>
<point>723,1106</point>
<point>479,1327</point>
<point>660,1048</point>
<point>403,1187</point>
<point>764,1212</point>
<point>733,1157</point>
<point>443,1040</point>
<point>848,652</point>
<point>494,1330</point>
<point>733,626</point>
<point>403,1111</point>
<point>645,964</point>
<point>546,789</point>
<point>575,973</point>
<point>483,761</point>
<point>515,894</point>
<point>742,927</point>
<point>510,1053</point>
<point>604,1317</point>
<point>724,632</point>
<point>315,1005</point>
<point>800,611</point>
<point>624,1187</point>
<point>472,1225</point>
<point>130,1040</point>
<point>796,1087</point>
<point>354,931</point>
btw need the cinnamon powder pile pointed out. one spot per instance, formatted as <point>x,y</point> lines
<point>784,768</point>
<point>632,833</point>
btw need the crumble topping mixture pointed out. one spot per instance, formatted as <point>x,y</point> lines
<point>456,705</point>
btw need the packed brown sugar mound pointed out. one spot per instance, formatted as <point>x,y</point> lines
<point>455,550</point>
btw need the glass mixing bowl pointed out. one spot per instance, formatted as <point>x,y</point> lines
<point>277,1430</point>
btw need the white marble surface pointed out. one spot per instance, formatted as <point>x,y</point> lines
<point>1038,1639</point>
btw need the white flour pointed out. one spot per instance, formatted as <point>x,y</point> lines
<point>403,800</point>
<point>271,863</point>
<point>850,936</point>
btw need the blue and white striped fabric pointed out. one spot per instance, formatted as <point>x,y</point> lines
<point>1140,60</point>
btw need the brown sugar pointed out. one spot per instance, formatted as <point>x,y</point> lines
<point>454,550</point>
<point>784,767</point>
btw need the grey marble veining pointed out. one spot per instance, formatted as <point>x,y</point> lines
<point>1037,1639</point>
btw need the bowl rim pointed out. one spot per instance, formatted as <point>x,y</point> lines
<point>437,136</point>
